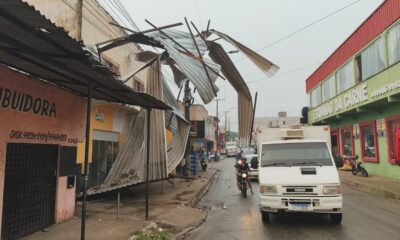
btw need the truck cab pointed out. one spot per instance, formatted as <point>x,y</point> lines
<point>297,173</point>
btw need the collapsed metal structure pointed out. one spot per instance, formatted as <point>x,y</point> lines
<point>184,54</point>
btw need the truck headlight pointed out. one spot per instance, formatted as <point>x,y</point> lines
<point>271,189</point>
<point>332,190</point>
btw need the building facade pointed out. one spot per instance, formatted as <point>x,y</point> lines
<point>281,120</point>
<point>109,121</point>
<point>357,92</point>
<point>40,128</point>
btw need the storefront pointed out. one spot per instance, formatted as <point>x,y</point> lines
<point>357,92</point>
<point>40,127</point>
<point>109,126</point>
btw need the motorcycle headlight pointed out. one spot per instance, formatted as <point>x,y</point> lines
<point>271,189</point>
<point>332,190</point>
<point>244,175</point>
<point>240,162</point>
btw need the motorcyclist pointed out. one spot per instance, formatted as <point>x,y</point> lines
<point>239,155</point>
<point>242,166</point>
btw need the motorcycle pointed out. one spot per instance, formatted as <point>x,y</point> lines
<point>215,157</point>
<point>203,165</point>
<point>243,183</point>
<point>357,167</point>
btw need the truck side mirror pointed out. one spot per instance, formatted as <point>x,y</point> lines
<point>254,163</point>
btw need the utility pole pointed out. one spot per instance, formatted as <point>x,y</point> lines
<point>80,16</point>
<point>187,101</point>
<point>216,114</point>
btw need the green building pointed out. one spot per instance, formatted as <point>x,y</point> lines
<point>357,92</point>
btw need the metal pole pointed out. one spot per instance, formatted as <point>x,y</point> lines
<point>118,201</point>
<point>147,162</point>
<point>252,121</point>
<point>86,164</point>
<point>217,139</point>
<point>187,100</point>
<point>80,15</point>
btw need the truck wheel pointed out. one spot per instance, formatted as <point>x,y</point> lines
<point>265,217</point>
<point>336,218</point>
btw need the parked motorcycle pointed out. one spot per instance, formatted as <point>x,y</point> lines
<point>357,167</point>
<point>203,165</point>
<point>215,157</point>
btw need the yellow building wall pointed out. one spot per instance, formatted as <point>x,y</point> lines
<point>106,125</point>
<point>169,135</point>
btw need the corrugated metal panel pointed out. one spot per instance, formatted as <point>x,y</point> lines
<point>378,21</point>
<point>245,109</point>
<point>245,106</point>
<point>194,71</point>
<point>128,168</point>
<point>264,64</point>
<point>183,38</point>
<point>176,148</point>
<point>33,44</point>
<point>158,146</point>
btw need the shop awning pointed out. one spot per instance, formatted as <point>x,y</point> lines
<point>32,44</point>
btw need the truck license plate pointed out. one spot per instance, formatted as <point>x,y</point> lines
<point>300,207</point>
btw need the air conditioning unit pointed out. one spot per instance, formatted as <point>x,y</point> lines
<point>292,133</point>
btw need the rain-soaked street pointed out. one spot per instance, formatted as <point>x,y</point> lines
<point>231,216</point>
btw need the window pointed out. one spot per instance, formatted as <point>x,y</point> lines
<point>112,66</point>
<point>289,154</point>
<point>371,61</point>
<point>393,41</point>
<point>393,138</point>
<point>347,141</point>
<point>369,142</point>
<point>328,88</point>
<point>345,77</point>
<point>316,96</point>
<point>138,86</point>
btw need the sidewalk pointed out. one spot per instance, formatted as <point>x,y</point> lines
<point>172,209</point>
<point>387,187</point>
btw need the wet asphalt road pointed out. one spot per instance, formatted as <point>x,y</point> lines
<point>365,216</point>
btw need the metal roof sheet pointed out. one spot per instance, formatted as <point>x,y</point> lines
<point>31,43</point>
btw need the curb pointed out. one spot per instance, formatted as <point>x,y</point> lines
<point>374,190</point>
<point>195,200</point>
<point>199,195</point>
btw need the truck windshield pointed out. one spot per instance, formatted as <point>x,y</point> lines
<point>296,154</point>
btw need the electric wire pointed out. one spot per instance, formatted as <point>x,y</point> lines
<point>303,28</point>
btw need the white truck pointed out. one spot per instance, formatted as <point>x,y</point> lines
<point>231,149</point>
<point>297,172</point>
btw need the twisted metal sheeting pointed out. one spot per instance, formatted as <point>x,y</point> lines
<point>176,148</point>
<point>262,63</point>
<point>194,71</point>
<point>128,168</point>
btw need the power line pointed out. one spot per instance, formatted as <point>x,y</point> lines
<point>304,28</point>
<point>198,12</point>
<point>287,72</point>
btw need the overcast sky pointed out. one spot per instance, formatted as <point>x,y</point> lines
<point>257,23</point>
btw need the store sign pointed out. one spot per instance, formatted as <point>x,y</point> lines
<point>24,102</point>
<point>386,89</point>
<point>342,102</point>
<point>197,129</point>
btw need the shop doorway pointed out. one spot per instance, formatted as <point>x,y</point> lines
<point>105,148</point>
<point>335,142</point>
<point>29,189</point>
